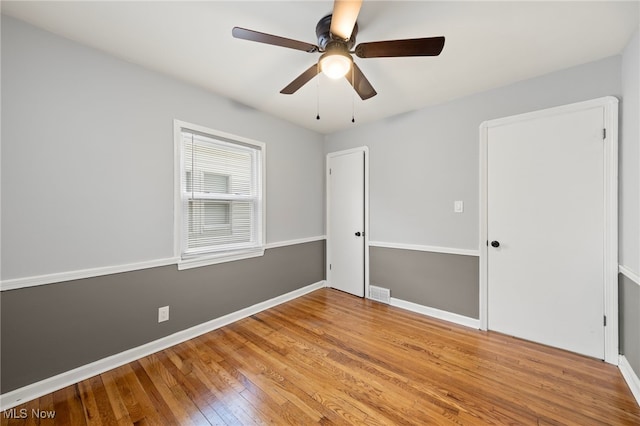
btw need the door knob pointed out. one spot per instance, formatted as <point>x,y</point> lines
<point>358,234</point>
<point>495,243</point>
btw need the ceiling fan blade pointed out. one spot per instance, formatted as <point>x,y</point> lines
<point>251,35</point>
<point>431,46</point>
<point>345,14</point>
<point>301,80</point>
<point>362,86</point>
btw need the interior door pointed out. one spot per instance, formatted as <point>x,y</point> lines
<point>346,221</point>
<point>546,230</point>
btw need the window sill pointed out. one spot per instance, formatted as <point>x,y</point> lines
<point>206,260</point>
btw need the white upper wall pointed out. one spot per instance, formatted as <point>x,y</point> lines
<point>87,157</point>
<point>630,157</point>
<point>423,161</point>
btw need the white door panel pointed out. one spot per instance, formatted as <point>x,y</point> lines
<point>346,218</point>
<point>545,189</point>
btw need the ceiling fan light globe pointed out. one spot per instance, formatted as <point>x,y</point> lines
<point>335,66</point>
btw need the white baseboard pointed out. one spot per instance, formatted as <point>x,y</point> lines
<point>632,379</point>
<point>436,313</point>
<point>51,384</point>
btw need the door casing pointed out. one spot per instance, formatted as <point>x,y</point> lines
<point>610,206</point>
<point>365,151</point>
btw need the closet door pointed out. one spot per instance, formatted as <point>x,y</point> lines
<point>546,229</point>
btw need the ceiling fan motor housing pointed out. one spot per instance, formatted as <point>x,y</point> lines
<point>323,32</point>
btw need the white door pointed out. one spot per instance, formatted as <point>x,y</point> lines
<point>346,221</point>
<point>546,230</point>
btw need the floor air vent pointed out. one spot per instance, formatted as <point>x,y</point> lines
<point>380,294</point>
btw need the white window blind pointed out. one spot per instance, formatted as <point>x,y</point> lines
<point>221,195</point>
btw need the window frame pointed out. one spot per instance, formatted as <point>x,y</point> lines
<point>214,257</point>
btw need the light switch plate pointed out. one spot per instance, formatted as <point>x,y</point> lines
<point>458,206</point>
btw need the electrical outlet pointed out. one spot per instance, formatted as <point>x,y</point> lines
<point>163,314</point>
<point>458,206</point>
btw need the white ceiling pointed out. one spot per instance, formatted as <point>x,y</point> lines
<point>488,44</point>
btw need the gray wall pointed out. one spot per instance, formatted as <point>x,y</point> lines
<point>54,328</point>
<point>630,157</point>
<point>443,281</point>
<point>422,161</point>
<point>629,314</point>
<point>87,181</point>
<point>87,157</point>
<point>629,256</point>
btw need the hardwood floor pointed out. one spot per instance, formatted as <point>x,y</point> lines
<point>330,358</point>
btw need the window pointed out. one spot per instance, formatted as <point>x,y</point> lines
<point>219,199</point>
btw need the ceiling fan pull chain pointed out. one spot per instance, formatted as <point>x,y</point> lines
<point>318,92</point>
<point>353,95</point>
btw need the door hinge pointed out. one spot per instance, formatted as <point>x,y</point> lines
<point>604,133</point>
<point>605,320</point>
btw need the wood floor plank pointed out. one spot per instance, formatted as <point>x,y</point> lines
<point>181,408</point>
<point>226,390</point>
<point>139,399</point>
<point>521,403</point>
<point>114,399</point>
<point>358,387</point>
<point>343,348</point>
<point>133,409</point>
<point>331,358</point>
<point>91,411</point>
<point>202,381</point>
<point>45,404</point>
<point>247,362</point>
<point>68,406</point>
<point>295,386</point>
<point>192,387</point>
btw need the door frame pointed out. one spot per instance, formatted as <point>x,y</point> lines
<point>610,207</point>
<point>365,151</point>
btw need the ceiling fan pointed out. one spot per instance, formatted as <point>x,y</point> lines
<point>336,34</point>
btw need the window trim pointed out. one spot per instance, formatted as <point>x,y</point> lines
<point>195,261</point>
